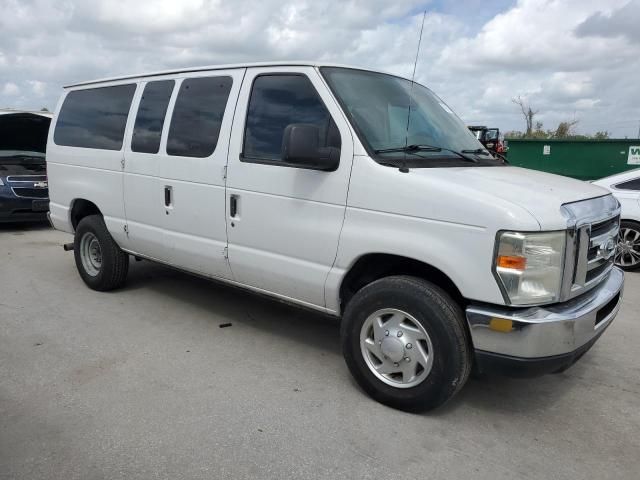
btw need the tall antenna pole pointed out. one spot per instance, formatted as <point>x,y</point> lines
<point>413,76</point>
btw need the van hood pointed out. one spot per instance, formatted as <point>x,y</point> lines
<point>539,193</point>
<point>492,198</point>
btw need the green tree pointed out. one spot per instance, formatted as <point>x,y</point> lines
<point>565,129</point>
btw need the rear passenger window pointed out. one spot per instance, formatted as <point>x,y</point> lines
<point>150,119</point>
<point>197,116</point>
<point>94,118</point>
<point>276,102</point>
<point>629,185</point>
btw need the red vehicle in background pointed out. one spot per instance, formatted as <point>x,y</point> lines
<point>491,139</point>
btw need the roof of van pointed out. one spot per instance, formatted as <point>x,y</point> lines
<point>221,67</point>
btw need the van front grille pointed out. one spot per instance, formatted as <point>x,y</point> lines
<point>596,272</point>
<point>593,226</point>
<point>596,252</point>
<point>600,228</point>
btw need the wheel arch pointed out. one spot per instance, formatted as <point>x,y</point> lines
<point>373,266</point>
<point>81,208</point>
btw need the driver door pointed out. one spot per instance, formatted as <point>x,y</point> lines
<point>283,222</point>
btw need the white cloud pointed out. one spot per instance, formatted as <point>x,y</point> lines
<point>37,87</point>
<point>616,23</point>
<point>10,89</point>
<point>564,56</point>
<point>534,50</point>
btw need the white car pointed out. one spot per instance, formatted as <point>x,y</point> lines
<point>356,193</point>
<point>626,188</point>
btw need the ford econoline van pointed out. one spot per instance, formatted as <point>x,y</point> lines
<point>352,192</point>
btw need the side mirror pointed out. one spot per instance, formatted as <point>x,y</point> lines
<point>301,148</point>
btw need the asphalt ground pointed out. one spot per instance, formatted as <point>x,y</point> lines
<point>142,383</point>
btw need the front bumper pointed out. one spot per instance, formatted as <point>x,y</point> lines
<point>537,340</point>
<point>16,209</point>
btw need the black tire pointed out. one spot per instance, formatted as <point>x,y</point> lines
<point>440,316</point>
<point>634,226</point>
<point>114,267</point>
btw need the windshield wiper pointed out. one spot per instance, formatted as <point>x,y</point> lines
<point>427,148</point>
<point>477,151</point>
<point>410,148</point>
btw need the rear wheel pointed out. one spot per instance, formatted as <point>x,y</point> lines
<point>100,261</point>
<point>405,343</point>
<point>628,247</point>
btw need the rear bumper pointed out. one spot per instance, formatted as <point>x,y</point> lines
<point>538,340</point>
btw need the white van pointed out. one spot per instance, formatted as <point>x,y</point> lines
<point>352,192</point>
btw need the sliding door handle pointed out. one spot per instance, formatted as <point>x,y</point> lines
<point>167,196</point>
<point>233,206</point>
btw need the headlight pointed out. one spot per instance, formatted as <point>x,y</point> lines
<point>529,266</point>
<point>1,182</point>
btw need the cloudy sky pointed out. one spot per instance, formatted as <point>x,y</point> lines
<point>571,59</point>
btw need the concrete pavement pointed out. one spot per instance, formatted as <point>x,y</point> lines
<point>142,383</point>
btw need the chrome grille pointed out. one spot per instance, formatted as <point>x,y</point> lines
<point>601,249</point>
<point>593,230</point>
<point>26,178</point>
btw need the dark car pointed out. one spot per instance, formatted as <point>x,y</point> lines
<point>24,193</point>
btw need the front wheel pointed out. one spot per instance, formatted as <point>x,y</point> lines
<point>628,247</point>
<point>405,343</point>
<point>100,261</point>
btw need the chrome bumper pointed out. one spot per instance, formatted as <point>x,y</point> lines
<point>538,332</point>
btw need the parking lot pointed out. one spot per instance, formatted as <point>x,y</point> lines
<point>143,383</point>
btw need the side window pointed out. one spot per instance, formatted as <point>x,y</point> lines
<point>150,119</point>
<point>629,185</point>
<point>197,116</point>
<point>95,117</point>
<point>276,102</point>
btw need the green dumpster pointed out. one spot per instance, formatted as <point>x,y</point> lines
<point>581,159</point>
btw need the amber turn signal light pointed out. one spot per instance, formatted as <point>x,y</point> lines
<point>513,262</point>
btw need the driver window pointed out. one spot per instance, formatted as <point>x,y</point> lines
<point>279,100</point>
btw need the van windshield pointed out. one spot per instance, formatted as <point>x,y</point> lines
<point>378,107</point>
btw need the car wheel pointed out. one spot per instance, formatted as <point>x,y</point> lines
<point>405,342</point>
<point>100,261</point>
<point>628,247</point>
